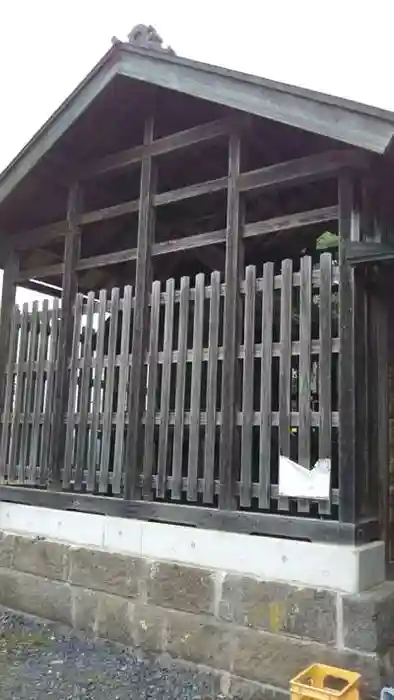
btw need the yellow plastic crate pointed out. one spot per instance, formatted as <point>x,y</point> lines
<point>320,682</point>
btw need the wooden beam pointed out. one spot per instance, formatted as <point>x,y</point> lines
<point>291,173</point>
<point>349,230</point>
<point>72,245</point>
<point>166,144</point>
<point>234,249</point>
<point>7,305</point>
<point>135,435</point>
<point>361,252</point>
<point>200,240</point>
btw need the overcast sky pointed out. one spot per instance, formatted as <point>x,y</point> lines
<point>343,47</point>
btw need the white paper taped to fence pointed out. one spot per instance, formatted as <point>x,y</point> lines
<point>296,481</point>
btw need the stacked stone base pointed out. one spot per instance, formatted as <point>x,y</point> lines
<point>247,630</point>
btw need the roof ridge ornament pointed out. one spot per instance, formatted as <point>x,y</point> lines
<point>144,36</point>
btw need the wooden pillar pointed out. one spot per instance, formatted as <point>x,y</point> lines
<point>10,275</point>
<point>349,230</point>
<point>136,403</point>
<point>72,246</point>
<point>229,439</point>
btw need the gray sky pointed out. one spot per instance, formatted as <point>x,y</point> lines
<point>342,47</point>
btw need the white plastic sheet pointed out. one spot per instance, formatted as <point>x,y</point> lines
<point>295,481</point>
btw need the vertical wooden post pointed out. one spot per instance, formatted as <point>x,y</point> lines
<point>10,274</point>
<point>72,246</point>
<point>229,439</point>
<point>134,438</point>
<point>349,230</point>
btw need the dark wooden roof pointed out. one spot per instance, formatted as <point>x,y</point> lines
<point>349,122</point>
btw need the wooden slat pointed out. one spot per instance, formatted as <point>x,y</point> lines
<point>96,404</point>
<point>149,447</point>
<point>28,395</point>
<point>165,389</point>
<point>9,390</point>
<point>109,392</point>
<point>304,379</point>
<point>212,374</point>
<point>177,455</point>
<point>72,394</point>
<point>136,405</point>
<point>266,386</point>
<point>234,248</point>
<point>38,394</point>
<point>247,387</point>
<point>325,361</point>
<point>19,382</point>
<point>285,365</point>
<point>72,246</point>
<point>195,398</point>
<point>10,275</point>
<point>50,384</point>
<point>122,389</point>
<point>85,374</point>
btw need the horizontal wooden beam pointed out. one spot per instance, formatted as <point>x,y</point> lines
<point>291,173</point>
<point>201,240</point>
<point>360,252</point>
<point>301,170</point>
<point>166,144</point>
<point>269,524</point>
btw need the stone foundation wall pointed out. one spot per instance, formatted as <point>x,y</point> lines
<point>242,627</point>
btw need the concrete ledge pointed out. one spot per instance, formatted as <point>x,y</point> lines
<point>346,568</point>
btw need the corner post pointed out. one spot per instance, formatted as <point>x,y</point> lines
<point>349,230</point>
<point>10,276</point>
<point>229,439</point>
<point>137,386</point>
<point>72,247</point>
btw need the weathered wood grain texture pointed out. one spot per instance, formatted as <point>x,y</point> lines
<point>19,385</point>
<point>36,431</point>
<point>72,406</point>
<point>285,365</point>
<point>195,397</point>
<point>162,460</point>
<point>266,386</point>
<point>304,378</point>
<point>46,435</point>
<point>247,387</point>
<point>9,393</point>
<point>151,401</point>
<point>177,454</point>
<point>136,404</point>
<point>109,394</point>
<point>94,453</point>
<point>8,291</point>
<point>325,363</point>
<point>229,438</point>
<point>212,388</point>
<point>28,395</point>
<point>122,389</point>
<point>85,379</point>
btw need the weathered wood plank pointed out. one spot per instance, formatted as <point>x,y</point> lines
<point>325,362</point>
<point>10,275</point>
<point>97,391</point>
<point>195,396</point>
<point>72,246</point>
<point>50,385</point>
<point>212,380</point>
<point>38,394</point>
<point>136,405</point>
<point>72,406</point>
<point>229,437</point>
<point>247,387</point>
<point>165,389</point>
<point>285,365</point>
<point>9,390</point>
<point>28,395</point>
<point>177,454</point>
<point>109,393</point>
<point>348,225</point>
<point>304,380</point>
<point>85,374</point>
<point>19,384</point>
<point>266,386</point>
<point>149,448</point>
<point>122,389</point>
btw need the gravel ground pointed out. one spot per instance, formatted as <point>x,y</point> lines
<point>40,660</point>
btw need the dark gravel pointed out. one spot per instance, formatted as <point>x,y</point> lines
<point>40,660</point>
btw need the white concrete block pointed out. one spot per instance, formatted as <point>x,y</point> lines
<point>123,535</point>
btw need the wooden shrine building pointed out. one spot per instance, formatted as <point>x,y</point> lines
<point>219,248</point>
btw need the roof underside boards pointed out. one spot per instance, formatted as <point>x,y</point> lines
<point>357,125</point>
